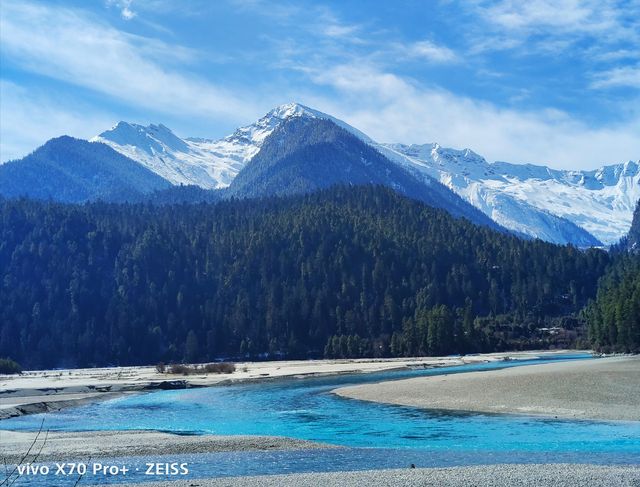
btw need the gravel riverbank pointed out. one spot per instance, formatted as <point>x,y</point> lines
<point>602,389</point>
<point>98,444</point>
<point>557,475</point>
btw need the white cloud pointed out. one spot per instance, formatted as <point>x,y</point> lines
<point>125,8</point>
<point>393,109</point>
<point>536,14</point>
<point>627,76</point>
<point>74,47</point>
<point>329,25</point>
<point>338,30</point>
<point>597,30</point>
<point>556,17</point>
<point>604,35</point>
<point>431,52</point>
<point>29,118</point>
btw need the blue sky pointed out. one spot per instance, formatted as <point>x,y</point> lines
<point>540,81</point>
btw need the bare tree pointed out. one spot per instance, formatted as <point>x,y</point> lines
<point>14,475</point>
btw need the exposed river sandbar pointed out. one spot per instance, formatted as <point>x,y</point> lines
<point>601,389</point>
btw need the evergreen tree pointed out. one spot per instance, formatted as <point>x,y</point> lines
<point>357,271</point>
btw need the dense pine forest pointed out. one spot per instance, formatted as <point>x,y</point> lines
<point>614,317</point>
<point>344,272</point>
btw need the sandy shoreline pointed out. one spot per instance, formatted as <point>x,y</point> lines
<point>602,389</point>
<point>51,390</point>
<point>552,475</point>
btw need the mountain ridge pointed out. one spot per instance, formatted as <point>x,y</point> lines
<point>600,201</point>
<point>583,208</point>
<point>74,171</point>
<point>516,202</point>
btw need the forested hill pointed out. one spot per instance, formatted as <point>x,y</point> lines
<point>614,317</point>
<point>342,272</point>
<point>74,170</point>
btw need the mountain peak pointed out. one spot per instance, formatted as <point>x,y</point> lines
<point>126,128</point>
<point>630,168</point>
<point>293,109</point>
<point>151,139</point>
<point>121,127</point>
<point>457,157</point>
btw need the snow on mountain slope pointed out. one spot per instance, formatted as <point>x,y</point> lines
<point>209,164</point>
<point>534,200</point>
<point>600,201</point>
<point>202,162</point>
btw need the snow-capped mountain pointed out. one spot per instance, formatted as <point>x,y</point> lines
<point>306,154</point>
<point>534,200</point>
<point>579,207</point>
<point>202,162</point>
<point>205,163</point>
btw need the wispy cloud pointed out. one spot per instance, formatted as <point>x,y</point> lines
<point>616,55</point>
<point>602,34</point>
<point>591,28</point>
<point>537,14</point>
<point>332,27</point>
<point>77,48</point>
<point>341,31</point>
<point>431,52</point>
<point>558,17</point>
<point>627,76</point>
<point>389,107</point>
